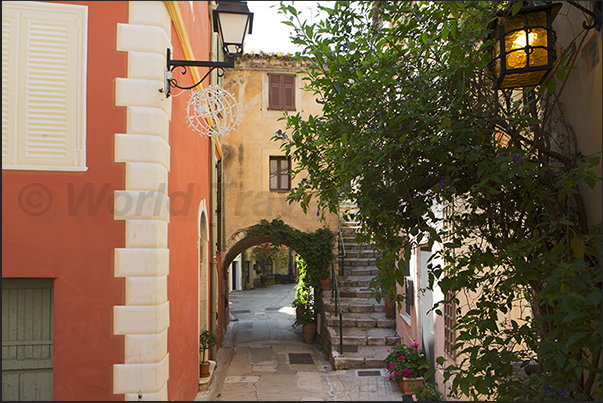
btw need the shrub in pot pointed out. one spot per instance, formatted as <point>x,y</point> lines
<point>206,341</point>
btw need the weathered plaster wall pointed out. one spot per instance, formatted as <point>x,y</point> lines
<point>581,99</point>
<point>248,198</point>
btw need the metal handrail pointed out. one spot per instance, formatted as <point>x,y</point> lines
<point>335,287</point>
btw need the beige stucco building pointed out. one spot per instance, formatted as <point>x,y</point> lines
<point>255,169</point>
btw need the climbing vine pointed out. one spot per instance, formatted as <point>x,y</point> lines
<point>316,248</point>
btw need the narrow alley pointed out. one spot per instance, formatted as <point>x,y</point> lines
<point>264,358</point>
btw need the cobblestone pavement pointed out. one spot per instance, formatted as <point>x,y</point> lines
<point>260,358</point>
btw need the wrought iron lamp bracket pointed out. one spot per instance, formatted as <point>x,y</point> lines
<point>171,64</point>
<point>596,14</point>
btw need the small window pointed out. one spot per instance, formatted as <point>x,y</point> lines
<point>449,323</point>
<point>269,268</point>
<point>281,92</point>
<point>279,173</point>
<point>409,291</point>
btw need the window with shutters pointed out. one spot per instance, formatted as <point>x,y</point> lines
<point>281,92</point>
<point>409,291</point>
<point>447,214</point>
<point>44,51</point>
<point>279,173</point>
<point>449,322</point>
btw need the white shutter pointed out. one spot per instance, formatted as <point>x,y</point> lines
<point>9,70</point>
<point>51,72</point>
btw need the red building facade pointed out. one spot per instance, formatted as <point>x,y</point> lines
<point>106,202</point>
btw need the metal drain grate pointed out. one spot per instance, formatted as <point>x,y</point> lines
<point>369,372</point>
<point>272,308</point>
<point>300,358</point>
<point>243,311</point>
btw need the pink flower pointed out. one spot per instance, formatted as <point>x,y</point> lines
<point>392,365</point>
<point>387,349</point>
<point>407,372</point>
<point>415,345</point>
<point>391,377</point>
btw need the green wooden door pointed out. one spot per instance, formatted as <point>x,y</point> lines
<point>27,331</point>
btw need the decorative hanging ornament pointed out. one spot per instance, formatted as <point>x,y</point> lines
<point>213,105</point>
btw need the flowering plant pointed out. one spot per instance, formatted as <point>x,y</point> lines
<point>406,361</point>
<point>427,393</point>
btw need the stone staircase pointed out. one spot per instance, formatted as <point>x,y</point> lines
<point>366,330</point>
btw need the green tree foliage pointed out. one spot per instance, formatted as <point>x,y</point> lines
<point>410,123</point>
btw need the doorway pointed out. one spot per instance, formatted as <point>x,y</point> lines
<point>27,339</point>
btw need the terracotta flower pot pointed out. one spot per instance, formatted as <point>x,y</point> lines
<point>204,369</point>
<point>298,311</point>
<point>407,383</point>
<point>308,331</point>
<point>247,287</point>
<point>326,284</point>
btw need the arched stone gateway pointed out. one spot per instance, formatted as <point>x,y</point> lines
<point>240,241</point>
<point>277,231</point>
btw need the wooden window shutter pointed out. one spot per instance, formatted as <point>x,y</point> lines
<point>274,91</point>
<point>281,92</point>
<point>47,126</point>
<point>289,92</point>
<point>9,85</point>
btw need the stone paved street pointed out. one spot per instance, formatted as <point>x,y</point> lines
<point>254,362</point>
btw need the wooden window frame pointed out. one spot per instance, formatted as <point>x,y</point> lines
<point>281,92</point>
<point>279,187</point>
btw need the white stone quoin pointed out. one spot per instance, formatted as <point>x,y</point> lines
<point>144,204</point>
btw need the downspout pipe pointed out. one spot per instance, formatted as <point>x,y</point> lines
<point>213,302</point>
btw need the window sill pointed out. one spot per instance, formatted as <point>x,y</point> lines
<point>406,318</point>
<point>42,168</point>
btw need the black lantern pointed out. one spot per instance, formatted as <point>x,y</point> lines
<point>523,53</point>
<point>232,20</point>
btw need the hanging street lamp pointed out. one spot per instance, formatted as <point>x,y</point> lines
<point>232,21</point>
<point>523,53</point>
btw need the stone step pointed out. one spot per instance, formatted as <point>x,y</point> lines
<point>361,271</point>
<point>360,253</point>
<point>358,261</point>
<point>365,357</point>
<point>355,280</point>
<point>352,319</point>
<point>354,292</point>
<point>355,247</point>
<point>359,336</point>
<point>357,305</point>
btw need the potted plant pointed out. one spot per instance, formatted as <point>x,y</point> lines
<point>206,341</point>
<point>307,318</point>
<point>407,366</point>
<point>427,393</point>
<point>326,283</point>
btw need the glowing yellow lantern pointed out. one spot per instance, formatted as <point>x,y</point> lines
<point>523,53</point>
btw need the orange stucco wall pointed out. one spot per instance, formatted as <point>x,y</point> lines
<point>188,183</point>
<point>76,248</point>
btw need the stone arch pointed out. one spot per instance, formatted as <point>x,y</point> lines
<point>243,239</point>
<point>240,241</point>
